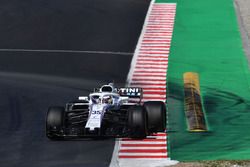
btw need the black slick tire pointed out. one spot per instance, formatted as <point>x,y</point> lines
<point>54,122</point>
<point>156,116</point>
<point>137,122</point>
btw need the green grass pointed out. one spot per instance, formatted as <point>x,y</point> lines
<point>215,164</point>
<point>206,40</point>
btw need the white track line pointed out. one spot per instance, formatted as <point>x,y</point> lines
<point>65,51</point>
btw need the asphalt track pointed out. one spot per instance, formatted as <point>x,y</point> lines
<point>31,81</point>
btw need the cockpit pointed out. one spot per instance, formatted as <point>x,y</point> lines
<point>102,99</point>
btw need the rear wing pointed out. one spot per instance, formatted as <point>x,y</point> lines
<point>131,92</point>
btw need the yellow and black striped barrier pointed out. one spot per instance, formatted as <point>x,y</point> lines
<point>193,103</point>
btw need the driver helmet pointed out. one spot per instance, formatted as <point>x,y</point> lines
<point>108,100</point>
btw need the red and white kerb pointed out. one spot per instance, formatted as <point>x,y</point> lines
<point>148,71</point>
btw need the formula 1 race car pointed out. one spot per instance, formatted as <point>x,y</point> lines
<point>107,112</point>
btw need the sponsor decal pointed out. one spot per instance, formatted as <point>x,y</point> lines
<point>131,92</point>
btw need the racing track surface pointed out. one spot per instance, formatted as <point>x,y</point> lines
<point>32,81</point>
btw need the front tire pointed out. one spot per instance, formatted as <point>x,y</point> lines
<point>156,116</point>
<point>54,122</point>
<point>137,122</point>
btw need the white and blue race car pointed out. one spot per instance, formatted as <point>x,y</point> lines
<point>107,112</point>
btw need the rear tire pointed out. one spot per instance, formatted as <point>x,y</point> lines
<point>156,116</point>
<point>54,122</point>
<point>137,122</point>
